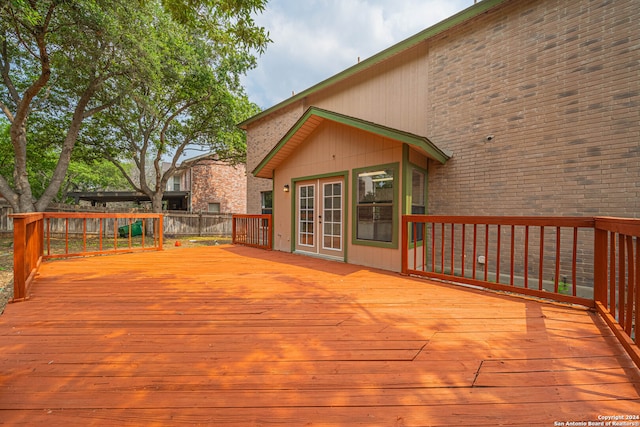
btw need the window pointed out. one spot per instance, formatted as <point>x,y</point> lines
<point>176,183</point>
<point>266,202</point>
<point>214,207</point>
<point>375,204</point>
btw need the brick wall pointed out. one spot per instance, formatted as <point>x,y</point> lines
<point>557,84</point>
<point>262,136</point>
<point>213,182</point>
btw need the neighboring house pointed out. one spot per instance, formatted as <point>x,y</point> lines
<point>206,185</point>
<point>212,186</point>
<point>511,107</point>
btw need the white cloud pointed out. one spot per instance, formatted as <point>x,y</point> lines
<point>315,39</point>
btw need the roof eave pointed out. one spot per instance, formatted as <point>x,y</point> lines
<point>421,142</point>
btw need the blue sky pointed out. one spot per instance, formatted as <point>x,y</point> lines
<point>315,39</point>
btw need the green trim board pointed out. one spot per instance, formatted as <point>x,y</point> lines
<point>395,211</point>
<point>310,120</point>
<point>460,17</point>
<point>293,191</point>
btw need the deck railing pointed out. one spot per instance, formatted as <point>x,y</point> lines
<point>49,235</point>
<point>252,230</point>
<point>593,262</point>
<point>617,278</point>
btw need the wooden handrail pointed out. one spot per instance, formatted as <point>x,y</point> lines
<point>617,279</point>
<point>33,232</point>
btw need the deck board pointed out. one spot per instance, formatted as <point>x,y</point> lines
<point>234,336</point>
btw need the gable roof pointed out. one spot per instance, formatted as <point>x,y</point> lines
<point>466,14</point>
<point>314,116</point>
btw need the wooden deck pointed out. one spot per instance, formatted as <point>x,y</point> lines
<point>234,336</point>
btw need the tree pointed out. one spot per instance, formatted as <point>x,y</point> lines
<point>195,101</point>
<point>86,172</point>
<point>64,61</point>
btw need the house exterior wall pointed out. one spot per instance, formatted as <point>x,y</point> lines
<point>262,136</point>
<point>213,182</point>
<point>336,148</point>
<point>557,85</point>
<point>554,83</point>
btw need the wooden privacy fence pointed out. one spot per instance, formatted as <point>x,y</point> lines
<point>593,262</point>
<point>197,224</point>
<point>48,235</point>
<point>252,230</point>
<point>175,223</point>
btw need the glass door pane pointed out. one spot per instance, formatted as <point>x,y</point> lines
<point>306,215</point>
<point>332,216</point>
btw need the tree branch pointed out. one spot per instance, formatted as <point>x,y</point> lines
<point>6,73</point>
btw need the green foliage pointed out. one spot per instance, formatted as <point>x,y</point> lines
<point>194,100</point>
<point>160,75</point>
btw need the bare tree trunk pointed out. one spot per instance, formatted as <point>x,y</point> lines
<point>156,202</point>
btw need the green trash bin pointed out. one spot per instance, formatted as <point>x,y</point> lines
<point>136,229</point>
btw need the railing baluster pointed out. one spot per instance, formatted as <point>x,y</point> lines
<point>442,239</point>
<point>574,263</point>
<point>621,278</point>
<point>486,252</point>
<point>433,247</point>
<point>453,232</point>
<point>462,257</point>
<point>636,285</point>
<point>424,246</point>
<point>628,326</point>
<point>84,234</point>
<point>499,232</point>
<point>541,263</point>
<point>414,233</point>
<point>526,257</point>
<point>66,235</point>
<point>144,231</point>
<point>612,273</point>
<point>48,236</point>
<point>115,233</point>
<point>513,255</point>
<point>475,250</point>
<point>556,279</point>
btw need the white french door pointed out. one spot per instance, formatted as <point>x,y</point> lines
<point>320,217</point>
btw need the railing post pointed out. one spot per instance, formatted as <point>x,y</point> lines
<point>28,249</point>
<point>233,229</point>
<point>405,246</point>
<point>600,254</point>
<point>19,252</point>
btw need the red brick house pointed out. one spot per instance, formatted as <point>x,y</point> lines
<point>510,107</point>
<point>210,185</point>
